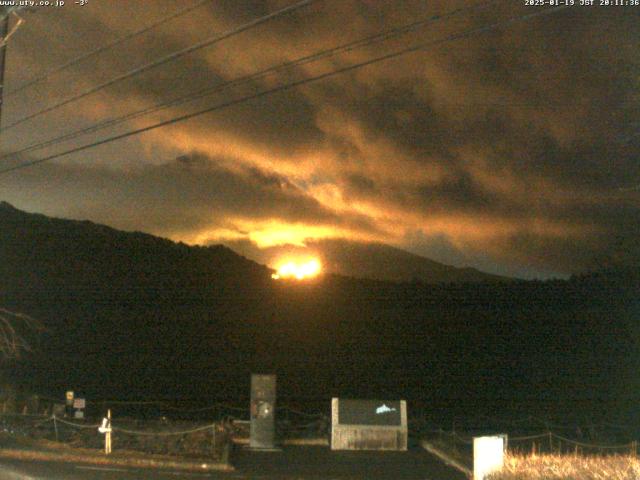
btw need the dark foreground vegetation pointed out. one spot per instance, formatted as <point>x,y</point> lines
<point>177,439</point>
<point>129,316</point>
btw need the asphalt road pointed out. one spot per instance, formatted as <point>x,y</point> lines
<point>292,463</point>
<point>19,470</point>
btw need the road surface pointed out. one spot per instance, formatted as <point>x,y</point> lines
<point>292,463</point>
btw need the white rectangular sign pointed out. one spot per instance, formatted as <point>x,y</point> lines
<point>488,456</point>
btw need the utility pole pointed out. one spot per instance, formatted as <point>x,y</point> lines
<point>4,32</point>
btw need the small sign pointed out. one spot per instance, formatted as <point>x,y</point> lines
<point>79,403</point>
<point>369,412</point>
<point>384,409</point>
<point>69,397</point>
<point>79,414</point>
<point>105,427</point>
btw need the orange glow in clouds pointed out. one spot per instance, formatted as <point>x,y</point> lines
<point>298,270</point>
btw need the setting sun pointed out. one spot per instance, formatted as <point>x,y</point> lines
<point>298,270</point>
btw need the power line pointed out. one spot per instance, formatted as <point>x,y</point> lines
<point>449,38</point>
<point>165,59</point>
<point>347,47</point>
<point>105,47</point>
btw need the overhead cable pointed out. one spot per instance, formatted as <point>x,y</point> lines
<point>103,48</point>
<point>209,90</point>
<point>397,53</point>
<point>148,66</point>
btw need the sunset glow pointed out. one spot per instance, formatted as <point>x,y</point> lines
<point>439,154</point>
<point>298,270</point>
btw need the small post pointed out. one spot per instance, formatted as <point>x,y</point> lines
<point>550,443</point>
<point>107,438</point>
<point>106,429</point>
<point>55,426</point>
<point>213,445</point>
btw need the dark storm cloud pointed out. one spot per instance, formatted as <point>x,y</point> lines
<point>516,147</point>
<point>183,199</point>
<point>361,185</point>
<point>534,115</point>
<point>285,120</point>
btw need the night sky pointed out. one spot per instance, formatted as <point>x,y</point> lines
<point>514,150</point>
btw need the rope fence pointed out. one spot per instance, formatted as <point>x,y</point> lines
<point>547,442</point>
<point>602,436</point>
<point>529,437</point>
<point>495,421</point>
<point>533,420</point>
<point>161,434</point>
<point>464,439</point>
<point>167,405</point>
<point>595,446</point>
<point>155,437</point>
<point>73,424</point>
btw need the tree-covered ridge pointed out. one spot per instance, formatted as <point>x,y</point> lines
<point>129,314</point>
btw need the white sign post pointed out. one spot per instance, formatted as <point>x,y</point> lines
<point>488,455</point>
<point>78,408</point>
<point>106,429</point>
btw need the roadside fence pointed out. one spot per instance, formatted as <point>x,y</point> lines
<point>149,437</point>
<point>544,442</point>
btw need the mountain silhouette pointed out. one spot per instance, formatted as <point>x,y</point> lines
<point>375,261</point>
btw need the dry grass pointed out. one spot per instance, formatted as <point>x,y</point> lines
<point>569,467</point>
